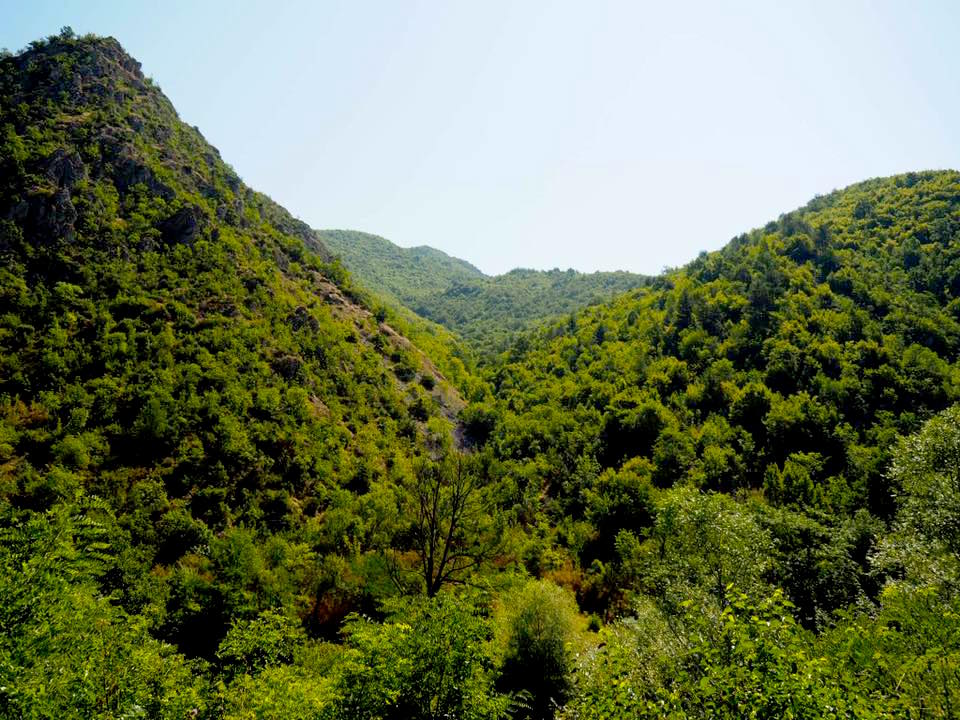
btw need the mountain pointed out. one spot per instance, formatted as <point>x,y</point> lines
<point>490,313</point>
<point>775,420</point>
<point>179,347</point>
<point>404,274</point>
<point>233,485</point>
<point>809,342</point>
<point>784,365</point>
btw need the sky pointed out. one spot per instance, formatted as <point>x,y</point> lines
<point>597,135</point>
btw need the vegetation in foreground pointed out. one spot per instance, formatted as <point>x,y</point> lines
<point>229,489</point>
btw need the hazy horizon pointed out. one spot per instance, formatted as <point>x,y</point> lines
<point>608,136</point>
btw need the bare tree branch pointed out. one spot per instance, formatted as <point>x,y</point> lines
<point>454,527</point>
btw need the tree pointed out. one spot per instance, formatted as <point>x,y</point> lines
<point>65,649</point>
<point>698,544</point>
<point>454,529</point>
<point>252,645</point>
<point>427,660</point>
<point>926,469</point>
<point>538,625</point>
<point>750,660</point>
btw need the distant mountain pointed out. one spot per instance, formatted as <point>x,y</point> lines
<point>489,312</point>
<point>404,274</point>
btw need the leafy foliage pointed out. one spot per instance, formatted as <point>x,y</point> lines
<point>65,650</point>
<point>783,366</point>
<point>540,625</point>
<point>426,661</point>
<point>180,347</point>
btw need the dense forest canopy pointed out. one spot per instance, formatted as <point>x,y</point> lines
<point>178,346</point>
<point>787,362</point>
<point>489,313</point>
<point>234,484</point>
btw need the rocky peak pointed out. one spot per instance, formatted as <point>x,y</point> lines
<point>97,92</point>
<point>79,70</point>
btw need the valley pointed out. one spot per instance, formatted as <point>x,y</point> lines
<point>249,469</point>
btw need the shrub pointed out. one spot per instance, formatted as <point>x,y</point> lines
<point>538,627</point>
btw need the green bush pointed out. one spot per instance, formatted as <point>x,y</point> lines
<point>427,660</point>
<point>538,633</point>
<point>270,639</point>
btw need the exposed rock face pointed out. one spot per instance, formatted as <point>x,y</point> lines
<point>300,318</point>
<point>93,76</point>
<point>289,367</point>
<point>48,215</point>
<point>183,226</point>
<point>136,148</point>
<point>46,219</point>
<point>65,168</point>
<point>130,171</point>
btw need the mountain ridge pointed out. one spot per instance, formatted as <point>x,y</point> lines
<point>489,311</point>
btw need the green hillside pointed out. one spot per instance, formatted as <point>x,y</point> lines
<point>234,487</point>
<point>490,313</point>
<point>200,418</point>
<point>779,371</point>
<point>810,342</point>
<point>784,365</point>
<point>404,274</point>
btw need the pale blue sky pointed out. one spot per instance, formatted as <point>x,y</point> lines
<point>590,134</point>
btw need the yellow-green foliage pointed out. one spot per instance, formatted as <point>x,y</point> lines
<point>178,345</point>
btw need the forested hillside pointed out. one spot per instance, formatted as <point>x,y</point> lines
<point>402,274</point>
<point>785,363</point>
<point>782,367</point>
<point>185,377</point>
<point>778,372</point>
<point>233,486</point>
<point>490,313</point>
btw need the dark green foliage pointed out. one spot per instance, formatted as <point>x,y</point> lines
<point>903,660</point>
<point>539,623</point>
<point>925,544</point>
<point>65,650</point>
<point>752,659</point>
<point>426,660</point>
<point>757,368</point>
